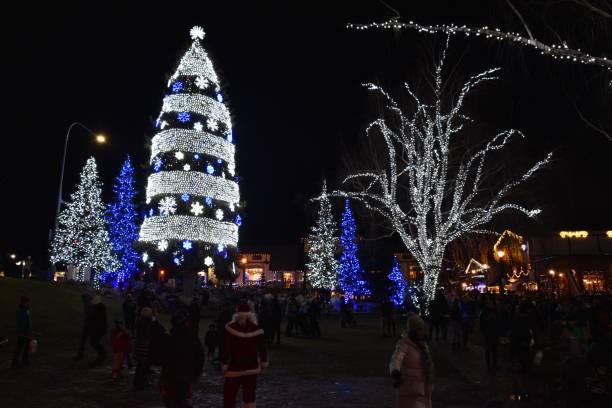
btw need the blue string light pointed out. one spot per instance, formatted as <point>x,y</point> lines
<point>238,220</point>
<point>210,169</point>
<point>157,164</point>
<point>350,271</point>
<point>398,287</point>
<point>122,228</point>
<point>208,201</point>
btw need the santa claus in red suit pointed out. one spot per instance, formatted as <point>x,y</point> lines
<point>244,356</point>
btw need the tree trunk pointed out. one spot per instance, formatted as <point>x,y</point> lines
<point>430,284</point>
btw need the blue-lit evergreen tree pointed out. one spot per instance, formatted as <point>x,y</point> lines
<point>350,273</point>
<point>398,289</point>
<point>123,231</point>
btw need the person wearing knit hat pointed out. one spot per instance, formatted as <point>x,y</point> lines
<point>244,356</point>
<point>411,367</point>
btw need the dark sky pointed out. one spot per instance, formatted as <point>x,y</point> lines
<point>292,79</point>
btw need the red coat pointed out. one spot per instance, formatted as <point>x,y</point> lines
<point>244,351</point>
<point>121,341</point>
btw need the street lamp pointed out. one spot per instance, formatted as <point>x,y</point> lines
<point>13,256</point>
<point>99,139</point>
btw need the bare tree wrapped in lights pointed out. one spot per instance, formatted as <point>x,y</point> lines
<point>427,196</point>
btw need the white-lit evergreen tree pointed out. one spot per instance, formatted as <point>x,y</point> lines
<point>322,263</point>
<point>81,239</point>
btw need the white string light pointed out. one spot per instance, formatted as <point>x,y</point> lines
<point>192,141</point>
<point>559,51</point>
<point>193,183</point>
<point>200,104</point>
<point>185,227</point>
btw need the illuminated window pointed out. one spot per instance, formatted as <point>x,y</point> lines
<point>288,277</point>
<point>253,274</point>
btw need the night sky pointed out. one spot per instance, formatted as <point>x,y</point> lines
<point>292,79</point>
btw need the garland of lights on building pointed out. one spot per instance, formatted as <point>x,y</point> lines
<point>322,264</point>
<point>192,193</point>
<point>427,202</point>
<point>81,239</point>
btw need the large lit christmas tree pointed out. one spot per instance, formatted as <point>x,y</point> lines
<point>192,192</point>
<point>122,228</point>
<point>322,263</point>
<point>350,272</point>
<point>81,239</point>
<point>398,288</point>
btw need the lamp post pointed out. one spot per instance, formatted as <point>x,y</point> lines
<point>99,139</point>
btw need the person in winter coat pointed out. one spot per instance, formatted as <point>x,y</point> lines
<point>244,356</point>
<point>411,367</point>
<point>129,314</point>
<point>86,330</point>
<point>211,341</point>
<point>277,317</point>
<point>489,326</point>
<point>194,315</point>
<point>292,314</point>
<point>121,342</point>
<point>183,362</point>
<point>98,327</point>
<point>24,329</point>
<point>141,347</point>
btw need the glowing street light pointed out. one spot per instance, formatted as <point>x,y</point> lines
<point>13,256</point>
<point>101,138</point>
<point>552,272</point>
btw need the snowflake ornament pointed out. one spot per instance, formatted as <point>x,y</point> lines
<point>202,82</point>
<point>184,117</point>
<point>208,261</point>
<point>220,248</point>
<point>210,169</point>
<point>177,261</point>
<point>167,206</point>
<point>238,220</point>
<point>177,86</point>
<point>187,167</point>
<point>208,201</point>
<point>197,209</point>
<point>198,126</point>
<point>220,97</point>
<point>187,245</point>
<point>219,214</point>
<point>179,155</point>
<point>162,245</point>
<point>185,197</point>
<point>212,124</point>
<point>197,33</point>
<point>157,164</point>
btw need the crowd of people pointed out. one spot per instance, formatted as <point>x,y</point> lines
<point>535,339</point>
<point>563,344</point>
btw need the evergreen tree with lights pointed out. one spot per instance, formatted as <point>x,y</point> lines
<point>398,287</point>
<point>350,272</point>
<point>192,193</point>
<point>322,264</point>
<point>122,228</point>
<point>81,238</point>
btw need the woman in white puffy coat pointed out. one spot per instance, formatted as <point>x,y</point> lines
<point>411,367</point>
